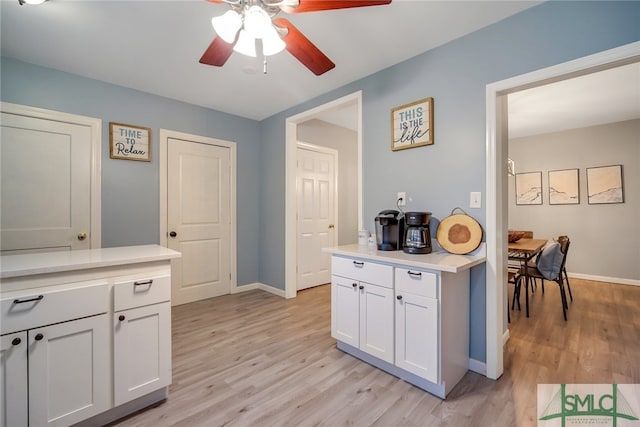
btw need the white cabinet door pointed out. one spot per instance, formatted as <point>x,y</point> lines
<point>68,371</point>
<point>417,335</point>
<point>376,321</point>
<point>142,351</point>
<point>345,302</point>
<point>13,380</point>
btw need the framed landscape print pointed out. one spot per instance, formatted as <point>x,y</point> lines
<point>564,188</point>
<point>529,188</point>
<point>604,185</point>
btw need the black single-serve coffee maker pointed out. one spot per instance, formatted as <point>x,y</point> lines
<point>389,230</point>
<point>417,237</point>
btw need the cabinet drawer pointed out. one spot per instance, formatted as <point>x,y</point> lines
<point>40,307</point>
<point>141,292</point>
<point>418,282</point>
<point>362,270</point>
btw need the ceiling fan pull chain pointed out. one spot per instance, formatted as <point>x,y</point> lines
<point>264,66</point>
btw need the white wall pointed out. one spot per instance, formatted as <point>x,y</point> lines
<point>605,239</point>
<point>345,141</point>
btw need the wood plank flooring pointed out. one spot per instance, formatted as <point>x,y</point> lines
<point>255,359</point>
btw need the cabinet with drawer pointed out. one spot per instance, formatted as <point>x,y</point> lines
<point>362,306</point>
<point>55,358</point>
<point>85,337</point>
<point>416,326</point>
<point>141,337</point>
<point>408,320</point>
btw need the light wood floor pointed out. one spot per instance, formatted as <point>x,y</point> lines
<point>255,359</point>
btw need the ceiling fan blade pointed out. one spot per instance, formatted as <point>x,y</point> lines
<point>302,48</point>
<point>217,53</point>
<point>217,1</point>
<point>317,5</point>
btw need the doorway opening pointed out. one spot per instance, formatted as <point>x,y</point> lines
<point>344,104</point>
<point>496,181</point>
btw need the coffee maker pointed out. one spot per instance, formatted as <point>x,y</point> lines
<point>389,230</point>
<point>417,237</point>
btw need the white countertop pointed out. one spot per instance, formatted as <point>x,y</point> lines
<point>55,262</point>
<point>437,260</point>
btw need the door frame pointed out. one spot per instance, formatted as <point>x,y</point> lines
<point>164,176</point>
<point>496,183</point>
<point>333,153</point>
<point>291,140</point>
<point>95,129</point>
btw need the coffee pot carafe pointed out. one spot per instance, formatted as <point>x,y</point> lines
<point>417,236</point>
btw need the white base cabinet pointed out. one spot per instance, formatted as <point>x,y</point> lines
<point>68,371</point>
<point>411,322</point>
<point>13,380</point>
<point>84,342</point>
<point>363,316</point>
<point>142,351</point>
<point>362,306</point>
<point>417,335</point>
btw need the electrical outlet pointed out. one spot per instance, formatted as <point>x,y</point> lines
<point>475,199</point>
<point>402,198</point>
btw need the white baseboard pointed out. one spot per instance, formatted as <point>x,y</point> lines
<point>614,280</point>
<point>505,337</point>
<point>478,367</point>
<point>261,286</point>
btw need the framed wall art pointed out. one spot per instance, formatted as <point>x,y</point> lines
<point>529,188</point>
<point>412,125</point>
<point>604,185</point>
<point>129,142</point>
<point>564,188</point>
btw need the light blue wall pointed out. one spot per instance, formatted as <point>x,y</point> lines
<point>130,190</point>
<point>440,177</point>
<point>437,178</point>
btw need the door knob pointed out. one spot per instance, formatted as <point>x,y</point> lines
<point>82,236</point>
<point>331,226</point>
<point>173,234</point>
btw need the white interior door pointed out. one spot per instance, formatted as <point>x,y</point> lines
<point>198,219</point>
<point>46,176</point>
<point>316,191</point>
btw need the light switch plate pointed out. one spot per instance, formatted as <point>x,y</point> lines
<point>475,199</point>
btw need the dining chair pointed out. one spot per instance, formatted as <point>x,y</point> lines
<point>549,266</point>
<point>564,242</point>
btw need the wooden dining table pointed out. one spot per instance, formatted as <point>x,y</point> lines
<point>523,251</point>
<point>525,248</point>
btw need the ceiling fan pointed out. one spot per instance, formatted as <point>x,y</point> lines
<point>250,20</point>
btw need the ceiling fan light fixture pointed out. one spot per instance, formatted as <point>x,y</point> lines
<point>227,25</point>
<point>271,42</point>
<point>246,44</point>
<point>256,21</point>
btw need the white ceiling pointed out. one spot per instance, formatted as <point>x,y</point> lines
<point>607,96</point>
<point>154,46</point>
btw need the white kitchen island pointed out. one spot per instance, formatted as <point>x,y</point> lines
<point>406,314</point>
<point>85,335</point>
